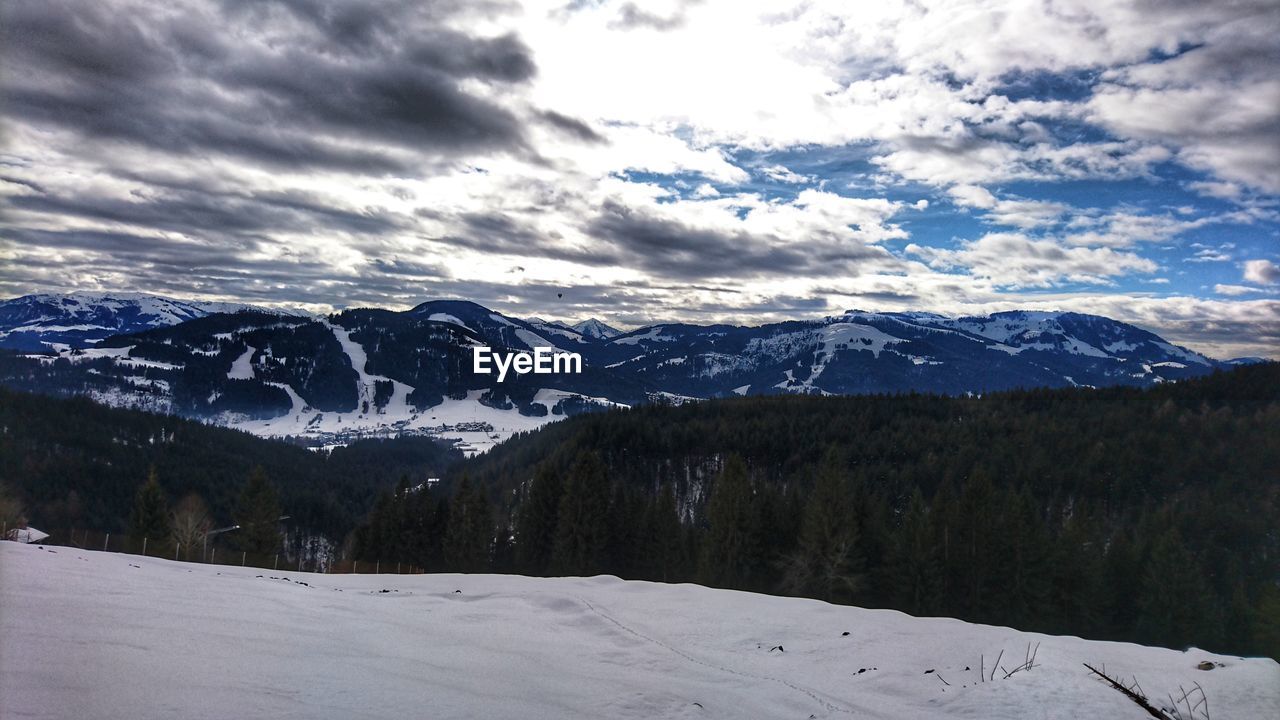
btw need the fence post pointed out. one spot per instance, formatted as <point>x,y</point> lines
<point>105,542</point>
<point>212,553</point>
<point>243,553</point>
<point>276,565</point>
<point>176,546</point>
<point>355,566</point>
<point>397,568</point>
<point>144,547</point>
<point>377,567</point>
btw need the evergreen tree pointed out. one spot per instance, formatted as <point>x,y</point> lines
<point>537,520</point>
<point>1022,576</point>
<point>914,564</point>
<point>10,508</point>
<point>828,563</point>
<point>1077,600</point>
<point>1266,624</point>
<point>469,536</point>
<point>258,515</point>
<point>581,529</point>
<point>731,552</point>
<point>150,516</point>
<point>665,533</point>
<point>1175,607</point>
<point>975,550</point>
<point>625,530</point>
<point>1122,583</point>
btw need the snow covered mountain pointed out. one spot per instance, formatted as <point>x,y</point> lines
<point>117,632</point>
<point>77,320</point>
<point>381,372</point>
<point>596,329</point>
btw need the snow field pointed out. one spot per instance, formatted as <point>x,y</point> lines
<point>88,634</point>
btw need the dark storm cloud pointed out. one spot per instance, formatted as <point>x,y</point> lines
<point>23,183</point>
<point>501,233</point>
<point>194,210</point>
<point>874,294</point>
<point>348,82</point>
<point>571,126</point>
<point>1263,333</point>
<point>675,250</point>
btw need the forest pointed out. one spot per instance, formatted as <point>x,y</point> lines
<point>1126,514</point>
<point>1129,514</point>
<point>74,464</point>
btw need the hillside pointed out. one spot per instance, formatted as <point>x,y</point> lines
<point>37,322</point>
<point>76,464</point>
<point>378,372</point>
<point>124,637</point>
<point>1119,513</point>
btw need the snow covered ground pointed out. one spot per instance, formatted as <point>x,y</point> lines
<point>87,634</point>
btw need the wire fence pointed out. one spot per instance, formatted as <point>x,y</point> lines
<point>208,550</point>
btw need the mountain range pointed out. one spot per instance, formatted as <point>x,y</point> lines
<point>76,320</point>
<point>381,372</point>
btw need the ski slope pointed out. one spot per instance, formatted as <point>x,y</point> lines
<point>87,634</point>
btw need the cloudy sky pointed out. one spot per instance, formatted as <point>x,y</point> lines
<point>645,161</point>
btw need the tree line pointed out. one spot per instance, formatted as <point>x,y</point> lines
<point>184,528</point>
<point>75,464</point>
<point>1140,515</point>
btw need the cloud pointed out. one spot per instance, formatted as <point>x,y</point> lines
<point>1234,290</point>
<point>782,174</point>
<point>1016,261</point>
<point>1019,213</point>
<point>744,237</point>
<point>1263,272</point>
<point>709,160</point>
<point>362,90</point>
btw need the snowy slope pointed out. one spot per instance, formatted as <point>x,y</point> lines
<point>274,375</point>
<point>596,329</point>
<point>87,634</point>
<point>34,322</point>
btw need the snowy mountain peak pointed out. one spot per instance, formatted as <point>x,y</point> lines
<point>596,329</point>
<point>82,319</point>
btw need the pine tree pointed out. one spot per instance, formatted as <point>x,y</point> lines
<point>1076,600</point>
<point>731,552</point>
<point>828,563</point>
<point>1022,574</point>
<point>258,515</point>
<point>665,546</point>
<point>975,549</point>
<point>469,535</point>
<point>1175,607</point>
<point>1266,623</point>
<point>581,529</point>
<point>150,516</point>
<point>537,520</point>
<point>914,564</point>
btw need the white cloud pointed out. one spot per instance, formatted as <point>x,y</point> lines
<point>1234,290</point>
<point>1124,228</point>
<point>1015,261</point>
<point>916,86</point>
<point>1263,272</point>
<point>782,174</point>
<point>1019,213</point>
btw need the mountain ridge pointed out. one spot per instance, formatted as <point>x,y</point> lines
<point>384,372</point>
